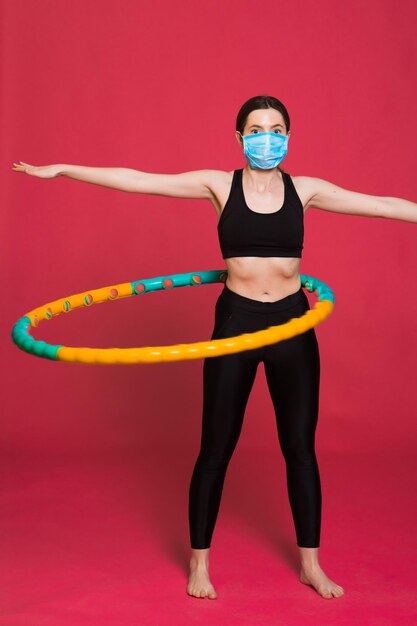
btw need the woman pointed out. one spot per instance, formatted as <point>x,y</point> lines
<point>261,211</point>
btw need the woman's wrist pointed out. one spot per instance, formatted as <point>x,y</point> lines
<point>62,169</point>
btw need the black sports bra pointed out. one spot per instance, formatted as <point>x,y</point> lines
<point>243,232</point>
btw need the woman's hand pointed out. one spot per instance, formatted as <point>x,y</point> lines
<point>42,171</point>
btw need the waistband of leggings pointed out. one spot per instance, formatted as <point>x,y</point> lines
<point>236,299</point>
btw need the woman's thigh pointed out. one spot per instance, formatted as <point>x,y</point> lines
<point>227,381</point>
<point>292,369</point>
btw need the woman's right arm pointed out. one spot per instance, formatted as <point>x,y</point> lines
<point>194,184</point>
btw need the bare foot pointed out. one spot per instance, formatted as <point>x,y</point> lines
<point>199,584</point>
<point>314,576</point>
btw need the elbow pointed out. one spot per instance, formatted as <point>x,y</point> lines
<point>383,208</point>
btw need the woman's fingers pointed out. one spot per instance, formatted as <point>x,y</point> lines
<point>21,165</point>
<point>42,171</point>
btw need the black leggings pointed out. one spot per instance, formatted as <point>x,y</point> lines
<point>292,369</point>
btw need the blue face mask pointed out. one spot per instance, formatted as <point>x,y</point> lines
<point>265,150</point>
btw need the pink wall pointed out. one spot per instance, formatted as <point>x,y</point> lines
<point>156,87</point>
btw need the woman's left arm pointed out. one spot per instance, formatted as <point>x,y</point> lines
<point>330,197</point>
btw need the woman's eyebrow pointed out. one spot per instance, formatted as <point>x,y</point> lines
<point>257,126</point>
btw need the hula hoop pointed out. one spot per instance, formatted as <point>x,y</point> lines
<point>154,354</point>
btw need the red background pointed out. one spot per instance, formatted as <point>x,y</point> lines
<point>156,87</point>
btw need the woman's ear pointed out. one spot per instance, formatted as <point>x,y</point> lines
<point>239,138</point>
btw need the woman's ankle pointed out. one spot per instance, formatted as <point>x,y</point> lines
<point>309,556</point>
<point>200,556</point>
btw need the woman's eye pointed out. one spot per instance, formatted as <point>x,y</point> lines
<point>257,131</point>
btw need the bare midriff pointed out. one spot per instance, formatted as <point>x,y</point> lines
<point>263,278</point>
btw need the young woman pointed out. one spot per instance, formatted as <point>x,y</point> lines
<point>260,210</point>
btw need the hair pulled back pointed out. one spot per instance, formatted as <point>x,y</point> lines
<point>260,102</point>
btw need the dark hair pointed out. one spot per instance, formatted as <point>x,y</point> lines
<point>260,102</point>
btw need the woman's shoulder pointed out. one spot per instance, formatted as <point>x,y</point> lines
<point>306,182</point>
<point>220,183</point>
<point>218,180</point>
<point>305,187</point>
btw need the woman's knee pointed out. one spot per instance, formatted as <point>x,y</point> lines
<point>299,454</point>
<point>210,461</point>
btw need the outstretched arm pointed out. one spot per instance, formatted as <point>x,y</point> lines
<point>329,197</point>
<point>194,184</point>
